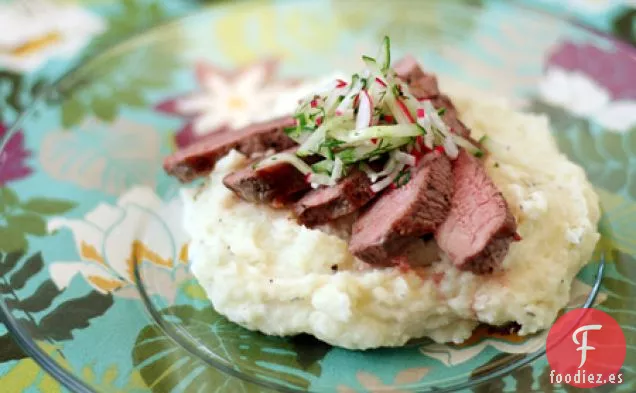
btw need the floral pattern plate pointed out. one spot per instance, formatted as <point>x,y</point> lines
<point>94,264</point>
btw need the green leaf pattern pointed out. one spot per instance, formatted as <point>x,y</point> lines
<point>253,353</point>
<point>21,219</point>
<point>103,89</point>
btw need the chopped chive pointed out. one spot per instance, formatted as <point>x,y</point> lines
<point>441,111</point>
<point>330,153</point>
<point>402,178</point>
<point>483,139</point>
<point>302,120</point>
<point>366,59</point>
<point>386,48</point>
<point>396,90</point>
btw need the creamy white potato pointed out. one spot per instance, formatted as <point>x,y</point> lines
<point>265,272</point>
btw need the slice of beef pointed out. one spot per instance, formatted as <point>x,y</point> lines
<point>266,185</point>
<point>325,204</point>
<point>450,115</point>
<point>277,184</point>
<point>200,158</point>
<point>424,85</point>
<point>479,228</point>
<point>421,84</point>
<point>403,215</point>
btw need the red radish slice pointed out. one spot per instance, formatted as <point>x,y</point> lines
<point>404,109</point>
<point>365,110</point>
<point>340,83</point>
<point>380,81</point>
<point>420,113</point>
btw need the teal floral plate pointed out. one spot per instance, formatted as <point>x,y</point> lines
<point>95,281</point>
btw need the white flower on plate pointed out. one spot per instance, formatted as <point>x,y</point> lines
<point>582,96</point>
<point>34,31</point>
<point>110,239</point>
<point>242,98</point>
<point>452,355</point>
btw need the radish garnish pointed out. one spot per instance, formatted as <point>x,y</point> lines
<point>392,131</point>
<point>405,158</point>
<point>365,110</point>
<point>336,172</point>
<point>429,139</point>
<point>319,179</point>
<point>451,148</point>
<point>434,118</point>
<point>285,157</point>
<point>405,110</point>
<point>346,102</point>
<point>370,118</point>
<point>387,181</point>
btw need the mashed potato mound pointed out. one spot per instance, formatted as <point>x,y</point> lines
<point>265,272</point>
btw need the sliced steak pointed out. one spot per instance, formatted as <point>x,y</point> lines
<point>404,214</point>
<point>450,116</point>
<point>421,84</point>
<point>325,204</point>
<point>276,184</point>
<point>424,85</point>
<point>479,228</point>
<point>200,158</point>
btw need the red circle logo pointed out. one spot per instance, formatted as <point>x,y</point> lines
<point>586,348</point>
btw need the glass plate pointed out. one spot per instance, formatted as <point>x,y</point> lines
<point>95,272</point>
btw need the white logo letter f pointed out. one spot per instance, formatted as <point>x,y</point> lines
<point>584,347</point>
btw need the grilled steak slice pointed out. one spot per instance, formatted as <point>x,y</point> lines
<point>421,84</point>
<point>451,116</point>
<point>277,184</point>
<point>403,215</point>
<point>424,85</point>
<point>479,228</point>
<point>325,204</point>
<point>274,183</point>
<point>200,158</point>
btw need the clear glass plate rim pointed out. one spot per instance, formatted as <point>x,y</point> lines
<point>224,367</point>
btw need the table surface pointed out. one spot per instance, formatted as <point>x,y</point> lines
<point>615,17</point>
